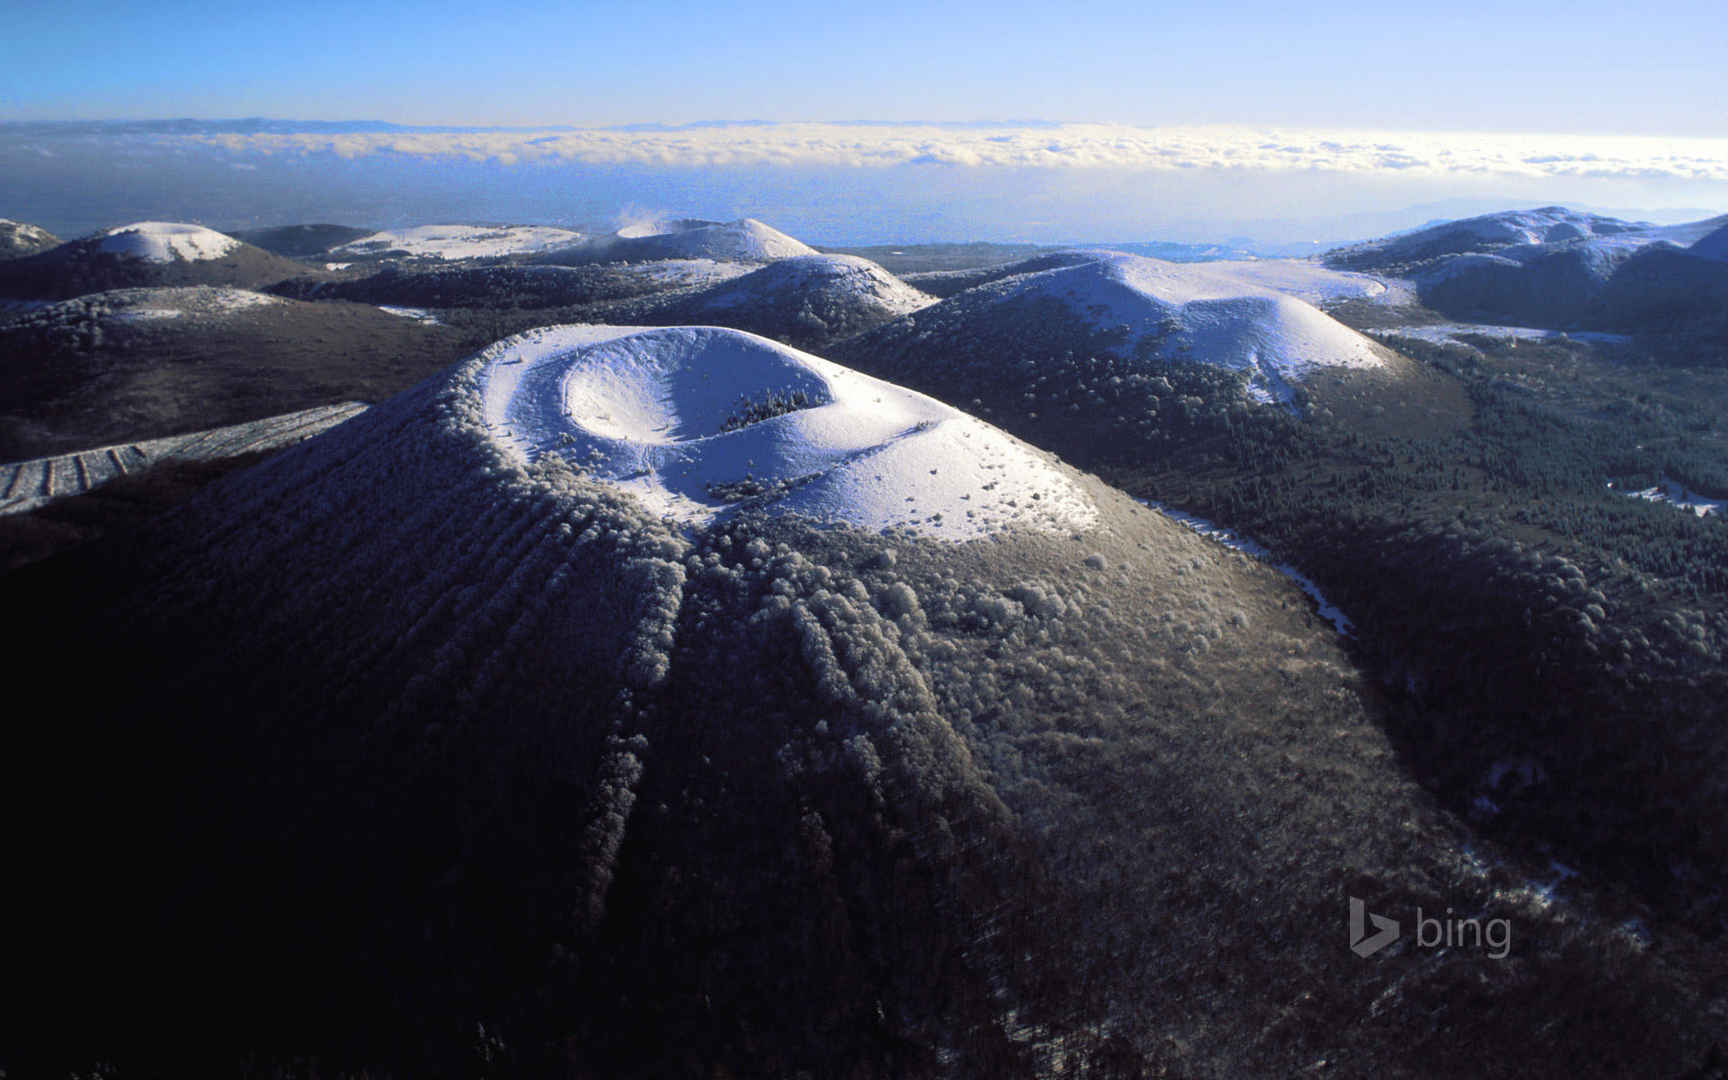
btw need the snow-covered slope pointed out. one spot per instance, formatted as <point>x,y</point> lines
<point>1304,279</point>
<point>18,239</point>
<point>461,241</point>
<point>166,241</point>
<point>670,415</point>
<point>661,227</point>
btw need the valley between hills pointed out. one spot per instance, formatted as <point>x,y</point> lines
<point>688,651</point>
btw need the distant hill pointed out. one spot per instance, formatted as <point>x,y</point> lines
<point>18,239</point>
<point>1488,233</point>
<point>148,253</point>
<point>1556,268</point>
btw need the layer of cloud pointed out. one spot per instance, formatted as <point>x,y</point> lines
<point>1063,146</point>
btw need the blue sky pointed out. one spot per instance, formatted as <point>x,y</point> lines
<point>1654,67</point>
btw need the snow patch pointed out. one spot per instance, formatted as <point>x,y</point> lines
<point>419,315</point>
<point>1449,333</point>
<point>692,272</point>
<point>1679,497</point>
<point>166,241</point>
<point>665,415</point>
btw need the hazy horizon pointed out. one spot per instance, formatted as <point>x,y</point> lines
<point>842,184</point>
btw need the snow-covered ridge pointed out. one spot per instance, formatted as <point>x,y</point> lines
<point>25,485</point>
<point>166,241</point>
<point>462,241</point>
<point>698,421</point>
<point>1214,316</point>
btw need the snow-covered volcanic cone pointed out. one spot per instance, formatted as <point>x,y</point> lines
<point>810,301</point>
<point>696,421</point>
<point>144,253</point>
<point>1207,315</point>
<point>822,297</point>
<point>1085,345</point>
<point>745,240</point>
<point>453,714</point>
<point>18,239</point>
<point>165,242</point>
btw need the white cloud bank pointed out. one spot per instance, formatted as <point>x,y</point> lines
<point>1064,146</point>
